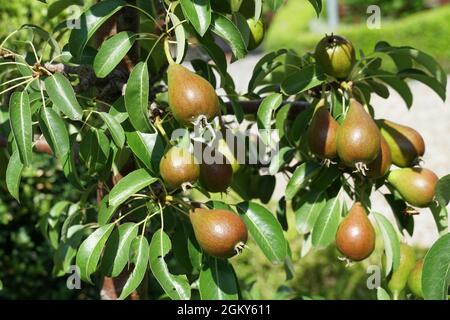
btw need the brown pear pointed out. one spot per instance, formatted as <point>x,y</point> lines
<point>416,185</point>
<point>216,172</point>
<point>381,165</point>
<point>190,95</point>
<point>406,144</point>
<point>178,166</point>
<point>322,133</point>
<point>355,237</point>
<point>358,138</point>
<point>220,233</point>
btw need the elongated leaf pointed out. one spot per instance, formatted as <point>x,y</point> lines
<point>317,5</point>
<point>217,281</point>
<point>302,80</point>
<point>63,97</point>
<point>442,190</point>
<point>327,223</point>
<point>112,52</point>
<point>436,270</point>
<point>176,286</point>
<point>225,28</point>
<point>55,132</point>
<point>129,185</point>
<point>180,35</point>
<point>13,174</point>
<point>90,21</point>
<point>199,14</point>
<point>308,211</point>
<point>67,250</point>
<point>148,147</point>
<point>265,114</point>
<point>382,294</point>
<point>136,97</point>
<point>140,267</point>
<point>265,230</point>
<point>105,212</point>
<point>283,156</point>
<point>90,251</point>
<point>20,119</point>
<point>391,242</point>
<point>262,66</point>
<point>58,6</point>
<point>115,129</point>
<point>302,176</point>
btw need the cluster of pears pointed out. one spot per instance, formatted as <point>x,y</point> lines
<point>371,147</point>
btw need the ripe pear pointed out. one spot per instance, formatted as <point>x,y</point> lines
<point>406,144</point>
<point>178,166</point>
<point>415,279</point>
<point>220,233</point>
<point>190,95</point>
<point>381,165</point>
<point>355,237</point>
<point>358,138</point>
<point>416,185</point>
<point>216,177</point>
<point>322,133</point>
<point>400,276</point>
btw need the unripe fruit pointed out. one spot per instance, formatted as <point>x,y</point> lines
<point>220,233</point>
<point>336,56</point>
<point>322,133</point>
<point>415,279</point>
<point>178,166</point>
<point>355,237</point>
<point>190,96</point>
<point>400,276</point>
<point>256,33</point>
<point>358,138</point>
<point>416,185</point>
<point>381,165</point>
<point>405,143</point>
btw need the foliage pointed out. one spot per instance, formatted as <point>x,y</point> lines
<point>390,8</point>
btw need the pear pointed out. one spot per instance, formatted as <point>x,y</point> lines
<point>406,144</point>
<point>381,165</point>
<point>355,237</point>
<point>216,173</point>
<point>415,279</point>
<point>220,233</point>
<point>400,276</point>
<point>416,185</point>
<point>358,138</point>
<point>322,133</point>
<point>190,96</point>
<point>178,166</point>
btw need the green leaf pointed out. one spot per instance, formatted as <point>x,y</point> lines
<point>117,250</point>
<point>114,128</point>
<point>442,191</point>
<point>180,36</point>
<point>63,97</point>
<point>225,28</point>
<point>302,80</point>
<point>58,6</point>
<point>263,67</point>
<point>140,267</point>
<point>327,223</point>
<point>21,126</point>
<point>391,242</point>
<point>395,83</point>
<point>440,215</point>
<point>432,83</point>
<point>70,167</point>
<point>274,4</point>
<point>317,5</point>
<point>105,212</point>
<point>198,13</point>
<point>265,113</point>
<point>13,174</point>
<point>90,21</point>
<point>176,286</point>
<point>302,176</point>
<point>129,185</point>
<point>265,230</point>
<point>308,211</point>
<point>67,250</point>
<point>148,147</point>
<point>279,160</point>
<point>112,52</point>
<point>94,150</point>
<point>136,98</point>
<point>55,132</point>
<point>90,251</point>
<point>217,280</point>
<point>436,270</point>
<point>382,294</point>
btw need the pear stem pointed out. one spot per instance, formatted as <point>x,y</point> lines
<point>158,125</point>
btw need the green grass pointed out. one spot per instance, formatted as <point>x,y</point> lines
<point>426,31</point>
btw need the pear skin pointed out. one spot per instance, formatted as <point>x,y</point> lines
<point>406,144</point>
<point>399,277</point>
<point>355,237</point>
<point>322,133</point>
<point>416,185</point>
<point>220,233</point>
<point>381,165</point>
<point>358,137</point>
<point>190,96</point>
<point>178,166</point>
<point>415,279</point>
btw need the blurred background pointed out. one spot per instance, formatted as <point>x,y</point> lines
<point>26,257</point>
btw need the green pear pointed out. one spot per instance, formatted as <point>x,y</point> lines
<point>400,276</point>
<point>415,279</point>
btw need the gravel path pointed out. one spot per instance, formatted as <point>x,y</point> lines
<point>429,115</point>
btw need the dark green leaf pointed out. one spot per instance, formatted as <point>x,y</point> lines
<point>303,175</point>
<point>225,29</point>
<point>217,281</point>
<point>148,147</point>
<point>63,97</point>
<point>115,129</point>
<point>302,80</point>
<point>13,174</point>
<point>308,210</point>
<point>21,126</point>
<point>327,223</point>
<point>198,13</point>
<point>55,132</point>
